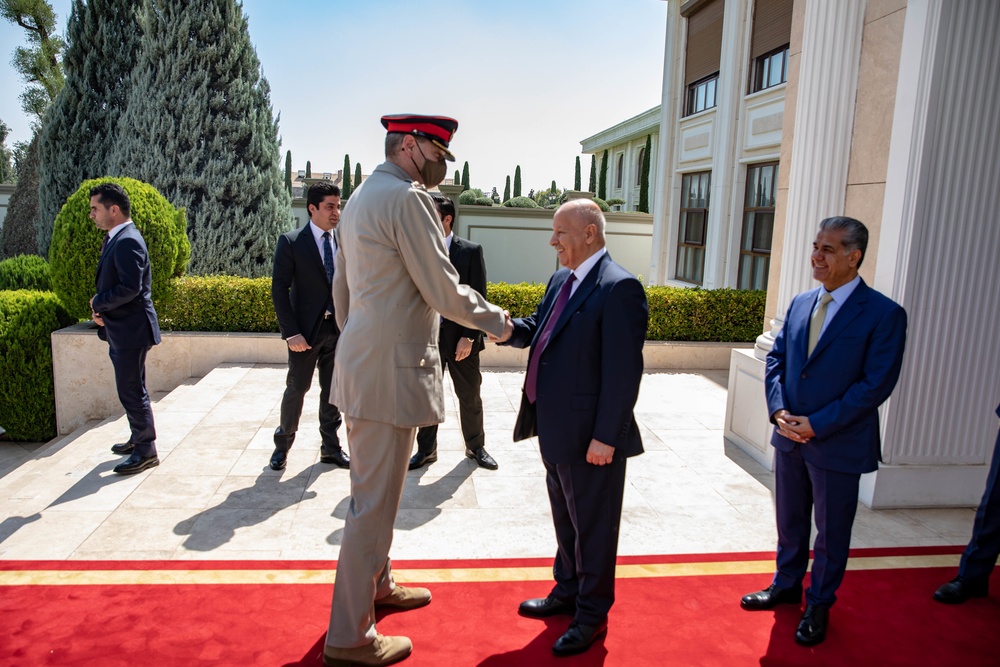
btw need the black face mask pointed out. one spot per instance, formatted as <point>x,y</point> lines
<point>432,173</point>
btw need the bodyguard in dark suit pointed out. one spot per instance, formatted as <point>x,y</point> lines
<point>980,557</point>
<point>580,388</point>
<point>460,347</point>
<point>834,362</point>
<point>303,301</point>
<point>123,311</point>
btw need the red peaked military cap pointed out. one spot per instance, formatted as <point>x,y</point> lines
<point>438,129</point>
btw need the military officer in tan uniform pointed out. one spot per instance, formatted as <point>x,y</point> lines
<point>393,284</point>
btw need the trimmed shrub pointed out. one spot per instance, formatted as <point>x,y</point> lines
<point>483,201</point>
<point>692,314</point>
<point>27,396</point>
<point>469,197</point>
<point>218,303</point>
<point>76,242</point>
<point>603,205</point>
<point>615,201</point>
<point>521,202</point>
<point>520,299</point>
<point>25,272</point>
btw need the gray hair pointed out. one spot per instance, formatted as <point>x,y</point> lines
<point>855,233</point>
<point>393,141</point>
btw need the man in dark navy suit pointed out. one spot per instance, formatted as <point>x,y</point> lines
<point>582,382</point>
<point>460,347</point>
<point>123,311</point>
<point>303,301</point>
<point>834,362</point>
<point>980,557</point>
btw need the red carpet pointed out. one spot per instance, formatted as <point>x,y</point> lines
<point>883,616</point>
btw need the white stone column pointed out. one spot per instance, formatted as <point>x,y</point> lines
<point>665,154</point>
<point>821,145</point>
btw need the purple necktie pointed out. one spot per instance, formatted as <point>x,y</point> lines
<point>104,243</point>
<point>531,384</point>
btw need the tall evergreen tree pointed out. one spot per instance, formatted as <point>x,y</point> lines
<point>465,177</point>
<point>644,176</point>
<point>517,181</point>
<point>7,174</point>
<point>357,175</point>
<point>553,189</point>
<point>288,171</point>
<point>19,236</point>
<point>458,177</point>
<point>602,185</point>
<point>592,186</point>
<point>309,169</point>
<point>576,178</point>
<point>345,185</point>
<point>103,41</point>
<point>199,127</point>
<point>38,64</point>
<point>506,189</point>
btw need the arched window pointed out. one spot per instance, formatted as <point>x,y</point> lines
<point>621,170</point>
<point>638,166</point>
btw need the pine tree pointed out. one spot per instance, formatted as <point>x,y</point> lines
<point>644,176</point>
<point>357,175</point>
<point>345,186</point>
<point>309,169</point>
<point>288,171</point>
<point>602,185</point>
<point>81,126</point>
<point>37,64</point>
<point>576,177</point>
<point>517,181</point>
<point>506,189</point>
<point>199,127</point>
<point>592,187</point>
<point>19,236</point>
<point>465,177</point>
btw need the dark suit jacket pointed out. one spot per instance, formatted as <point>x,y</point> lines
<point>467,258</point>
<point>840,386</point>
<point>590,371</point>
<point>123,294</point>
<point>299,288</point>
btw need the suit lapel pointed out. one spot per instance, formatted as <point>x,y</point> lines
<point>108,249</point>
<point>852,308</point>
<point>580,295</point>
<point>309,247</point>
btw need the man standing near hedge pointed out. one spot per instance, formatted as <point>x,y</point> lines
<point>123,311</point>
<point>301,281</point>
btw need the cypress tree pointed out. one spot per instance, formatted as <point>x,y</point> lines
<point>458,178</point>
<point>345,186</point>
<point>309,169</point>
<point>19,237</point>
<point>592,187</point>
<point>644,176</point>
<point>81,126</point>
<point>465,177</point>
<point>602,185</point>
<point>288,171</point>
<point>517,181</point>
<point>576,177</point>
<point>199,127</point>
<point>506,189</point>
<point>357,175</point>
<point>553,188</point>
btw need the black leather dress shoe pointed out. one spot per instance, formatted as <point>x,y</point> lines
<point>136,463</point>
<point>578,638</point>
<point>482,458</point>
<point>337,457</point>
<point>771,597</point>
<point>960,589</point>
<point>812,627</point>
<point>122,448</point>
<point>278,459</point>
<point>548,606</point>
<point>419,460</point>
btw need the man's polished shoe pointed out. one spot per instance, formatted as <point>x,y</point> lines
<point>482,458</point>
<point>771,597</point>
<point>578,638</point>
<point>337,457</point>
<point>383,651</point>
<point>812,627</point>
<point>959,589</point>
<point>402,597</point>
<point>122,448</point>
<point>278,459</point>
<point>419,460</point>
<point>547,606</point>
<point>136,463</point>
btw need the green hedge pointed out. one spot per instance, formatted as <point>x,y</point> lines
<point>217,303</point>
<point>521,202</point>
<point>25,272</point>
<point>719,315</point>
<point>27,397</point>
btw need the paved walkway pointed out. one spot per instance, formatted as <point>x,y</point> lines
<point>214,497</point>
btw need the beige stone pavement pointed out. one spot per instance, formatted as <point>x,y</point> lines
<point>214,497</point>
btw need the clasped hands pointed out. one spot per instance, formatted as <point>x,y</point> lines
<point>795,428</point>
<point>508,330</point>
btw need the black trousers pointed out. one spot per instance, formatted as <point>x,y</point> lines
<point>468,379</point>
<point>300,374</point>
<point>980,555</point>
<point>130,380</point>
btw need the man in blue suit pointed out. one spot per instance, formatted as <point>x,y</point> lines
<point>834,362</point>
<point>123,311</point>
<point>980,557</point>
<point>580,388</point>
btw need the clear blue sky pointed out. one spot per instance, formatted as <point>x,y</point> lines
<point>526,80</point>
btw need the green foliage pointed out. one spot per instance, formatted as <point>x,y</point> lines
<point>520,299</point>
<point>465,177</point>
<point>218,303</point>
<point>483,201</point>
<point>592,186</point>
<point>29,272</point>
<point>7,173</point>
<point>458,178</point>
<point>309,169</point>
<point>38,64</point>
<point>357,175</point>
<point>20,226</point>
<point>506,190</point>
<point>346,187</point>
<point>469,197</point>
<point>288,171</point>
<point>603,205</point>
<point>76,242</point>
<point>521,202</point>
<point>27,396</point>
<point>576,175</point>
<point>644,176</point>
<point>692,314</point>
<point>602,183</point>
<point>615,201</point>
<point>517,181</point>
